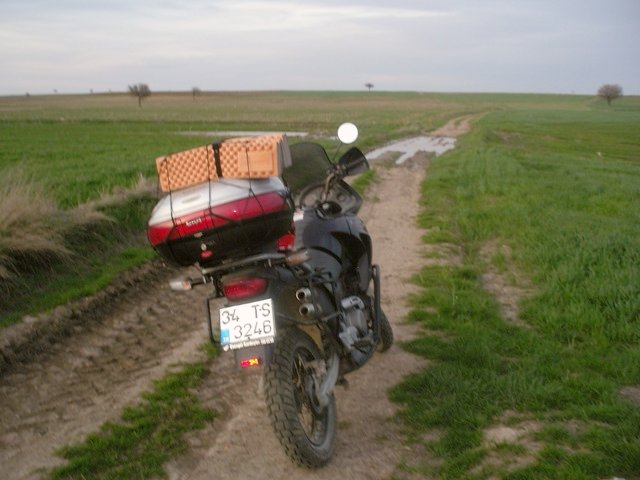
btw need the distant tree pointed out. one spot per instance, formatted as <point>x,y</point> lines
<point>195,91</point>
<point>140,90</point>
<point>369,86</point>
<point>610,92</point>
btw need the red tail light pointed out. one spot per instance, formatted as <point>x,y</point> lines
<point>250,362</point>
<point>286,242</point>
<point>159,233</point>
<point>243,288</point>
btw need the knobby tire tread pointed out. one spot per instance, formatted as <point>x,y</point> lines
<point>386,334</point>
<point>279,397</point>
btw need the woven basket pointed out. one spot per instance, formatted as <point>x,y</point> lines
<point>246,157</point>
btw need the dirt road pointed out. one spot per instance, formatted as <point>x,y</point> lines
<point>87,378</point>
<point>369,446</point>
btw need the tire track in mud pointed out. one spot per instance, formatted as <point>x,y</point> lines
<point>87,378</point>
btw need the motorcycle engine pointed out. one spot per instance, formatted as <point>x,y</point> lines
<point>354,328</point>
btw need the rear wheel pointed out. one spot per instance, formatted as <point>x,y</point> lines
<point>306,431</point>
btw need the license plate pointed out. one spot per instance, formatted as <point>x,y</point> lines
<point>247,325</point>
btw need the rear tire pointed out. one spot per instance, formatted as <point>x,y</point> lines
<point>306,432</point>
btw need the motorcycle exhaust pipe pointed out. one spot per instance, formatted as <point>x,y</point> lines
<point>307,309</point>
<point>303,294</point>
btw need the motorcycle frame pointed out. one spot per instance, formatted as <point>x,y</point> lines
<point>303,275</point>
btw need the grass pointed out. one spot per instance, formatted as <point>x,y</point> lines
<point>79,146</point>
<point>65,254</point>
<point>40,244</point>
<point>363,181</point>
<point>562,190</point>
<point>16,193</point>
<point>147,436</point>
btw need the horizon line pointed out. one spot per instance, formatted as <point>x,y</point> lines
<point>202,91</point>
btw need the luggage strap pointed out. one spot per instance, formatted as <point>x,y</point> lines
<point>216,158</point>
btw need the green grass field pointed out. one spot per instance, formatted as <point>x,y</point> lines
<point>554,197</point>
<point>80,146</point>
<point>544,193</point>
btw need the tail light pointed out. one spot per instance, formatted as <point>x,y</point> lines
<point>159,233</point>
<point>286,242</point>
<point>243,288</point>
<point>250,362</point>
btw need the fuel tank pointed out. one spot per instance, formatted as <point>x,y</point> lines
<point>336,243</point>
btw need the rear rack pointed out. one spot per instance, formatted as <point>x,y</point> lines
<point>269,258</point>
<point>295,259</point>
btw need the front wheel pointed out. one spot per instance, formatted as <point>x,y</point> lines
<point>386,333</point>
<point>306,431</point>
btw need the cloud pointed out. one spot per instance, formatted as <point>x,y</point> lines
<point>252,44</point>
<point>77,37</point>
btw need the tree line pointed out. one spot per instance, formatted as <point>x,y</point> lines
<point>608,91</point>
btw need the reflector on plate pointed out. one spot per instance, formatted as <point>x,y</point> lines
<point>251,362</point>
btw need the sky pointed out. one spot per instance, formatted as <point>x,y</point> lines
<point>545,46</point>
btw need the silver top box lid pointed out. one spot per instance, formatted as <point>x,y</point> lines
<point>208,194</point>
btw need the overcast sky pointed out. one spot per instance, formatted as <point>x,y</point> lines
<point>550,46</point>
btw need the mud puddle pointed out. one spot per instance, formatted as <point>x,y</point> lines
<point>409,147</point>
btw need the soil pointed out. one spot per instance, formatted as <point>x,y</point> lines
<point>86,378</point>
<point>455,127</point>
<point>96,367</point>
<point>507,286</point>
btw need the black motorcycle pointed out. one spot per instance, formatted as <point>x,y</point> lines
<point>305,308</point>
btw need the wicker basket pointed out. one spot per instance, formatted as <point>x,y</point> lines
<point>246,157</point>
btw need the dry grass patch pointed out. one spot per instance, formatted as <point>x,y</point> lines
<point>631,394</point>
<point>144,186</point>
<point>510,446</point>
<point>503,281</point>
<point>32,226</point>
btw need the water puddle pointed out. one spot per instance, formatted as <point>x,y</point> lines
<point>407,147</point>
<point>410,146</point>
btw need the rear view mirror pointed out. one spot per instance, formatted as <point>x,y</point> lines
<point>353,162</point>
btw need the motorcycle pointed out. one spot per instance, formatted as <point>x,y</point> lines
<point>305,309</point>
